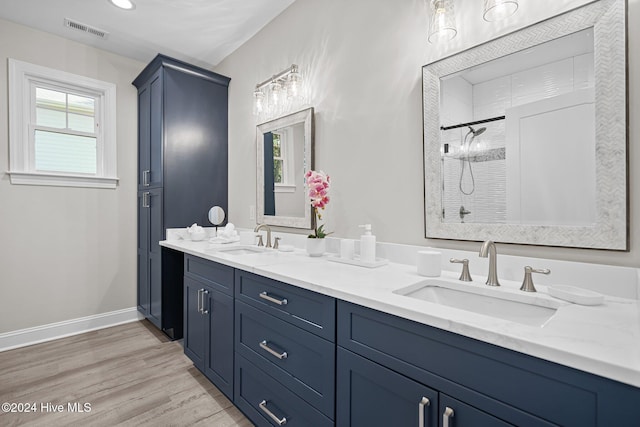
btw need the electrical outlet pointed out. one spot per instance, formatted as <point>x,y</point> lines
<point>252,212</point>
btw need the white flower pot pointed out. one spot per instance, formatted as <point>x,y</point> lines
<point>315,247</point>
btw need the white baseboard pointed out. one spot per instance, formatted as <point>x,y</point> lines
<point>53,331</point>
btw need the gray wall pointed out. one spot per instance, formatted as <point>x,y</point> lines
<point>67,252</point>
<point>362,60</point>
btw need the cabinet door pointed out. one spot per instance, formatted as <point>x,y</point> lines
<point>150,133</point>
<point>453,413</point>
<point>156,234</point>
<point>143,253</point>
<point>369,394</point>
<point>218,363</point>
<point>194,322</point>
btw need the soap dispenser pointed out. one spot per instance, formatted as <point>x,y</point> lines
<point>367,245</point>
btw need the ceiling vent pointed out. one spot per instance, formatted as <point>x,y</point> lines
<point>85,28</point>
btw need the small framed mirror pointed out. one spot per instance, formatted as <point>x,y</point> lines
<point>284,154</point>
<point>525,136</point>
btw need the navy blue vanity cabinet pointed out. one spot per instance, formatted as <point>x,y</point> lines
<point>182,172</point>
<point>208,320</point>
<point>285,353</point>
<point>481,384</point>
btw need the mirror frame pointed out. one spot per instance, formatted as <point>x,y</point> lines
<point>305,116</point>
<point>609,20</point>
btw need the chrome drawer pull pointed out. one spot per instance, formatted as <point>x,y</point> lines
<point>204,292</point>
<point>424,402</point>
<point>263,407</point>
<point>145,178</point>
<point>200,300</point>
<point>446,416</point>
<point>266,296</point>
<point>146,200</point>
<point>265,346</point>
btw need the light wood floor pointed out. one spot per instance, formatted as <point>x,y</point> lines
<point>131,375</point>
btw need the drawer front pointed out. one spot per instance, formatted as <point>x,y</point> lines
<point>268,403</point>
<point>481,374</point>
<point>218,276</point>
<point>308,310</point>
<point>303,362</point>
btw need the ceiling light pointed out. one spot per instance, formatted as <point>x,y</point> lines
<point>495,10</point>
<point>443,21</point>
<point>123,4</point>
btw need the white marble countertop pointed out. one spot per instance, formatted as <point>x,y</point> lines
<point>603,340</point>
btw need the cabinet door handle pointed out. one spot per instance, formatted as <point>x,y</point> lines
<point>146,175</point>
<point>200,300</point>
<point>145,200</point>
<point>204,292</point>
<point>265,295</point>
<point>280,421</point>
<point>423,403</point>
<point>446,416</point>
<point>265,346</point>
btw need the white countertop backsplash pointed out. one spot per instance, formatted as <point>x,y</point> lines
<point>603,340</point>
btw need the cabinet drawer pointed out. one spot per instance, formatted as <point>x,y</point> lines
<point>303,362</point>
<point>483,375</point>
<point>216,275</point>
<point>308,310</point>
<point>265,401</point>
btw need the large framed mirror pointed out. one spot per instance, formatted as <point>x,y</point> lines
<point>525,137</point>
<point>284,154</point>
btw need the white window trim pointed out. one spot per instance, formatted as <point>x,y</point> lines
<point>21,76</point>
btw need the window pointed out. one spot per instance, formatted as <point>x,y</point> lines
<point>62,128</point>
<point>278,160</point>
<point>283,165</point>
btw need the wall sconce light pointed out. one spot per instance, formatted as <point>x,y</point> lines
<point>443,21</point>
<point>495,10</point>
<point>277,90</point>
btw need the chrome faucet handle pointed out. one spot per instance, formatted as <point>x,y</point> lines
<point>275,242</point>
<point>260,242</point>
<point>465,276</point>
<point>527,283</point>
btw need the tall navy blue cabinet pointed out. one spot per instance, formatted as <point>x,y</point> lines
<point>182,172</point>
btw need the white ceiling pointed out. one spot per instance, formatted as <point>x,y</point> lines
<point>202,32</point>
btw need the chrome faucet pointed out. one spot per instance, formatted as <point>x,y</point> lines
<point>265,226</point>
<point>488,248</point>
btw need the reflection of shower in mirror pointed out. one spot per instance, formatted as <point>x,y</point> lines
<point>465,150</point>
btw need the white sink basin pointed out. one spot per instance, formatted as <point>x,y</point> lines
<point>240,250</point>
<point>528,309</point>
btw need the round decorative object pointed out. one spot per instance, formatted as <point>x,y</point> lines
<point>216,215</point>
<point>315,247</point>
